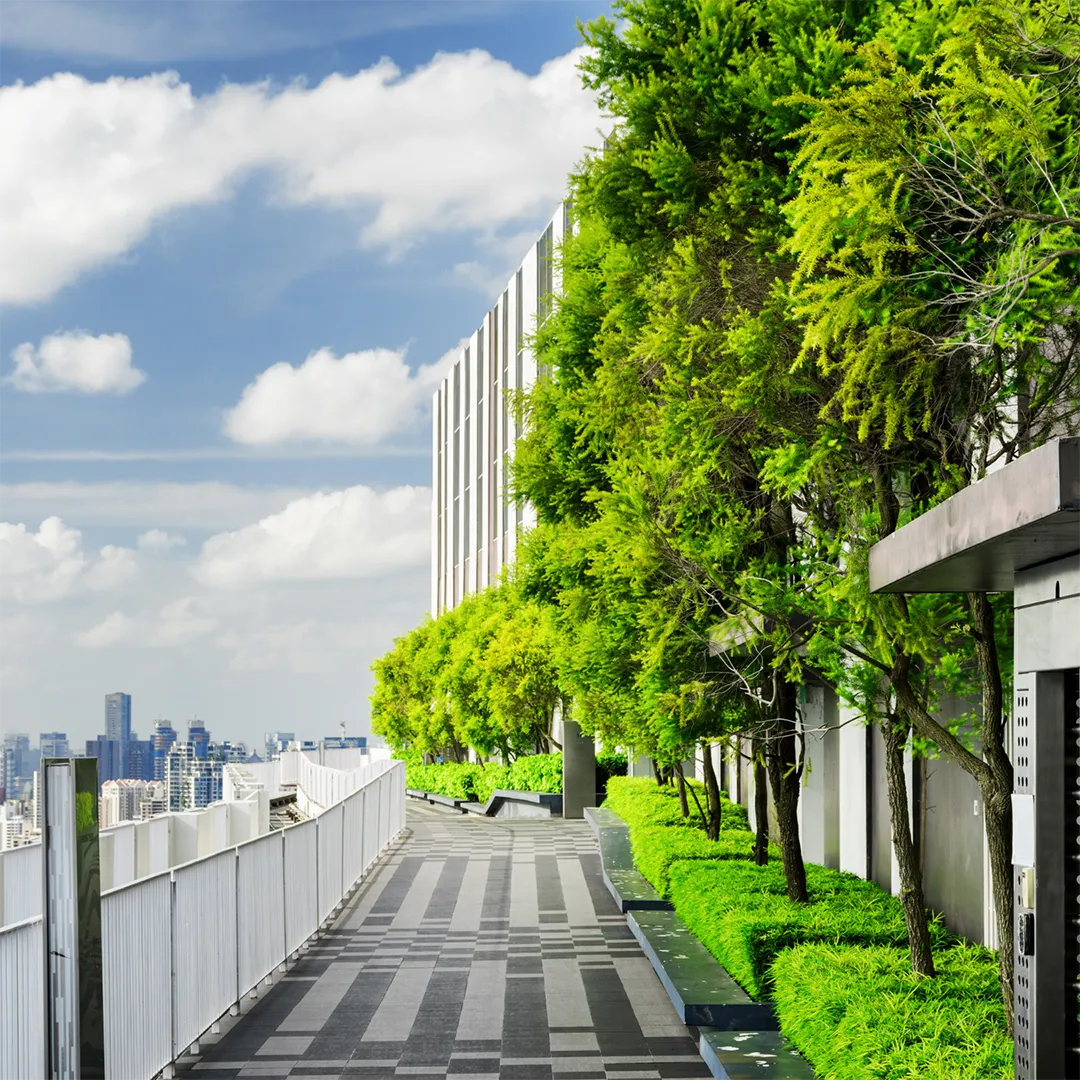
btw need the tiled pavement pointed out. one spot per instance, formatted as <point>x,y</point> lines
<point>480,948</point>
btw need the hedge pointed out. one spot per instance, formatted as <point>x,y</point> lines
<point>641,801</point>
<point>657,848</point>
<point>741,914</point>
<point>861,1014</point>
<point>475,783</point>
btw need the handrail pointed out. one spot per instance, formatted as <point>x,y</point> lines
<point>220,924</point>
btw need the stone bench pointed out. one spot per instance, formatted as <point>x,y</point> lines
<point>703,993</point>
<point>742,1055</point>
<point>517,804</point>
<point>627,885</point>
<point>436,800</point>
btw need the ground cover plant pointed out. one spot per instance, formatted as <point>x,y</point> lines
<point>862,1014</point>
<point>837,967</point>
<point>742,915</point>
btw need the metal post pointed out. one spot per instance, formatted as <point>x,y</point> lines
<point>71,893</point>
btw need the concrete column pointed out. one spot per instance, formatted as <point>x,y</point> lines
<point>578,770</point>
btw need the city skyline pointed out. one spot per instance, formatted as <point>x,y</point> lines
<point>216,456</point>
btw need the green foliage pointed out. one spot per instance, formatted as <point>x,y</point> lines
<point>740,914</point>
<point>641,802</point>
<point>860,1013</point>
<point>475,782</point>
<point>481,675</point>
<point>657,848</point>
<point>609,763</point>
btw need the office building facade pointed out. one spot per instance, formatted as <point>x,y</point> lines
<point>475,526</point>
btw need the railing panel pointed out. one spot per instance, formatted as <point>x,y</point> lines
<point>385,804</point>
<point>301,900</point>
<point>370,826</point>
<point>20,874</point>
<point>260,909</point>
<point>136,961</point>
<point>397,801</point>
<point>352,859</point>
<point>330,885</point>
<point>22,1001</point>
<point>204,945</point>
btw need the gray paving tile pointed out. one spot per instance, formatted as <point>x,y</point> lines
<point>478,949</point>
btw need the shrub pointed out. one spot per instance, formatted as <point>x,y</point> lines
<point>609,763</point>
<point>536,772</point>
<point>475,782</point>
<point>741,914</point>
<point>658,847</point>
<point>861,1013</point>
<point>641,801</point>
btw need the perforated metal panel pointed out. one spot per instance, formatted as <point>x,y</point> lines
<point>1023,756</point>
<point>1072,870</point>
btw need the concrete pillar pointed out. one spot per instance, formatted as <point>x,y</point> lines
<point>578,770</point>
<point>639,765</point>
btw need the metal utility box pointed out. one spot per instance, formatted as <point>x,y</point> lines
<point>74,1017</point>
<point>1018,531</point>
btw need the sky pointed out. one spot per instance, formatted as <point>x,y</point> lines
<point>241,242</point>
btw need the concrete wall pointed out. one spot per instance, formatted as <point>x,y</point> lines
<point>953,847</point>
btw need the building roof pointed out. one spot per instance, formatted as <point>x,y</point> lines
<point>1025,514</point>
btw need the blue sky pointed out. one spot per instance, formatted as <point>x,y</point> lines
<point>225,536</point>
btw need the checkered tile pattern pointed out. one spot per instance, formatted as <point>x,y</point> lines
<point>480,948</point>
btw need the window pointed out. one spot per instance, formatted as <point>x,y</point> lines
<point>544,255</point>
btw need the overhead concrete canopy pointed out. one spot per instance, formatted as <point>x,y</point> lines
<point>1025,514</point>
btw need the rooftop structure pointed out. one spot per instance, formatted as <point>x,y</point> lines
<point>474,526</point>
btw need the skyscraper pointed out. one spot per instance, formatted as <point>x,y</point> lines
<point>118,717</point>
<point>118,726</point>
<point>162,740</point>
<point>54,744</point>
<point>199,738</point>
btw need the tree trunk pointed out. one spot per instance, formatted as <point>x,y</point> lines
<point>761,803</point>
<point>996,790</point>
<point>895,733</point>
<point>785,776</point>
<point>680,782</point>
<point>712,795</point>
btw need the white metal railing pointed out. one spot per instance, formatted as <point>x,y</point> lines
<point>220,924</point>
<point>22,1014</point>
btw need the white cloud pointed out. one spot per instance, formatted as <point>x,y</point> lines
<point>355,533</point>
<point>178,622</point>
<point>46,566</point>
<point>111,630</point>
<point>360,398</point>
<point>76,361</point>
<point>466,142</point>
<point>159,540</point>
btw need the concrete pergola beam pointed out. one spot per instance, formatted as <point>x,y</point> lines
<point>1026,514</point>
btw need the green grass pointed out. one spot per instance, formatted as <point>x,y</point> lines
<point>641,801</point>
<point>861,1014</point>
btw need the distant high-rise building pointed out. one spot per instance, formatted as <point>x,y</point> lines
<point>16,764</point>
<point>54,744</point>
<point>118,726</point>
<point>199,738</point>
<point>107,752</point>
<point>277,741</point>
<point>162,740</point>
<point>123,800</point>
<point>140,759</point>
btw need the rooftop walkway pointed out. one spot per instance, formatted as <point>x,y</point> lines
<point>477,948</point>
